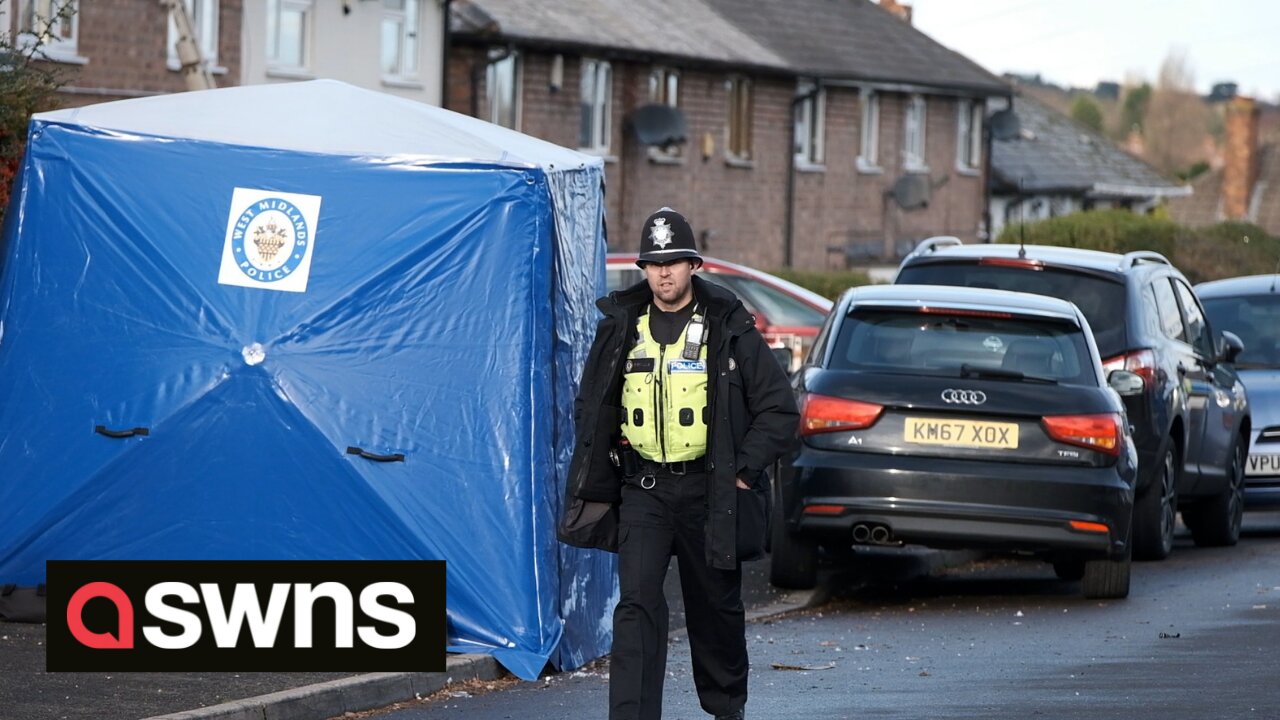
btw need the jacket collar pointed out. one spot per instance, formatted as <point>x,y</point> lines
<point>720,302</point>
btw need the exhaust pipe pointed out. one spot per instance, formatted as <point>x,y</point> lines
<point>880,535</point>
<point>861,533</point>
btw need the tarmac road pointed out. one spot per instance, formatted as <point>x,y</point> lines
<point>1198,639</point>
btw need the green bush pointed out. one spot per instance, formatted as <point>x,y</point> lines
<point>826,284</point>
<point>1224,250</point>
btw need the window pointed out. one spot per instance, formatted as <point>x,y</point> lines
<point>809,130</point>
<point>738,144</point>
<point>400,39</point>
<point>869,152</point>
<point>54,24</point>
<point>913,137</point>
<point>664,89</point>
<point>968,135</point>
<point>204,18</point>
<point>1167,305</point>
<point>1197,328</point>
<point>288,35</point>
<point>595,126</point>
<point>502,88</point>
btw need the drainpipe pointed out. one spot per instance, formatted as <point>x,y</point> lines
<point>788,237</point>
<point>446,43</point>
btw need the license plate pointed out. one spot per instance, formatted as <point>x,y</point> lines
<point>961,433</point>
<point>1263,465</point>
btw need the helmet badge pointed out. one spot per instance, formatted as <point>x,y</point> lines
<point>661,233</point>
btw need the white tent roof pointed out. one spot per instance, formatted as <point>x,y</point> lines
<point>322,116</point>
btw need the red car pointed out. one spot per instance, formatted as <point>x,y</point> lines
<point>787,315</point>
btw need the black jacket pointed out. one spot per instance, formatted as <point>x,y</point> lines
<point>754,414</point>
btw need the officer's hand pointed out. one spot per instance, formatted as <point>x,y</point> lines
<point>742,485</point>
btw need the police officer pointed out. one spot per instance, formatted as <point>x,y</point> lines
<point>681,412</point>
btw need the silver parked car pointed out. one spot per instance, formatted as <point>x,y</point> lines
<point>1250,308</point>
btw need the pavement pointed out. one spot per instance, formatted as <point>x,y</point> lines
<point>27,692</point>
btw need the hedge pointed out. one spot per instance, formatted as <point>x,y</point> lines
<point>1217,251</point>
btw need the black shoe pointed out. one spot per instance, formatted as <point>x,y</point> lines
<point>736,715</point>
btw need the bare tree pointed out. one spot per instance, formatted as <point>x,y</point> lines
<point>1177,119</point>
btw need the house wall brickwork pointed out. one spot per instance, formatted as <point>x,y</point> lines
<point>739,210</point>
<point>124,44</point>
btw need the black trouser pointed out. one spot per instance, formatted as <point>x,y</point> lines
<point>670,519</point>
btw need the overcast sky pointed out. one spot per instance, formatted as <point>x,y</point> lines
<point>1079,42</point>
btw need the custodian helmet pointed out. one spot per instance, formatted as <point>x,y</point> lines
<point>666,236</point>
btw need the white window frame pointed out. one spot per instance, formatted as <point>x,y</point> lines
<point>60,39</point>
<point>810,126</point>
<point>869,132</point>
<point>969,118</point>
<point>739,91</point>
<point>664,89</point>
<point>914,137</point>
<point>598,95</point>
<point>408,29</point>
<point>205,19</point>
<point>507,62</point>
<point>276,8</point>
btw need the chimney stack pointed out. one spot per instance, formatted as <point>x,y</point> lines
<point>1240,157</point>
<point>902,10</point>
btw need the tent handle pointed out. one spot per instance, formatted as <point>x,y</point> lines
<point>395,457</point>
<point>102,430</point>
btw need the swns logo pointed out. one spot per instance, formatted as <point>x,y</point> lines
<point>215,616</point>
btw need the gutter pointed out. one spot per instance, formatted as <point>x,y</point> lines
<point>1116,189</point>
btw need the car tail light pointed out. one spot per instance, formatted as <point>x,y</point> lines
<point>1141,363</point>
<point>1097,432</point>
<point>821,414</point>
<point>964,313</point>
<point>1023,263</point>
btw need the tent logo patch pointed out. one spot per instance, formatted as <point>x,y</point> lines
<point>270,240</point>
<point>212,616</point>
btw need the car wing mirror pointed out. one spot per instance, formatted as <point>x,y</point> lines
<point>1125,382</point>
<point>783,356</point>
<point>1229,346</point>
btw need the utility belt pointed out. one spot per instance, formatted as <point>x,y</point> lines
<point>684,467</point>
<point>648,471</point>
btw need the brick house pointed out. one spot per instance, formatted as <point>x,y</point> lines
<point>117,49</point>
<point>1055,166</point>
<point>800,119</point>
<point>1247,186</point>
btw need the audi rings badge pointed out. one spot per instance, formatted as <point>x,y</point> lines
<point>963,397</point>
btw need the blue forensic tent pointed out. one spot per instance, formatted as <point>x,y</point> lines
<point>305,321</point>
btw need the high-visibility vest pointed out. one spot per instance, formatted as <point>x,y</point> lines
<point>664,395</point>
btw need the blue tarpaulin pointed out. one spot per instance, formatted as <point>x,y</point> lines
<point>351,326</point>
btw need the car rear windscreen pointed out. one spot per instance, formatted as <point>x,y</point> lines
<point>1102,301</point>
<point>907,342</point>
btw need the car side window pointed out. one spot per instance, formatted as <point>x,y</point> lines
<point>1167,306</point>
<point>1197,325</point>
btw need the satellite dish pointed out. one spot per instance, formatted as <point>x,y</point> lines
<point>659,125</point>
<point>911,191</point>
<point>1004,125</point>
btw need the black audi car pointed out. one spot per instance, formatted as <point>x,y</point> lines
<point>1190,415</point>
<point>959,418</point>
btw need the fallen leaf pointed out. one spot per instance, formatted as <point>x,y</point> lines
<point>785,666</point>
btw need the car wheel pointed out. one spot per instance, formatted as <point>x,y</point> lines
<point>793,562</point>
<point>1069,569</point>
<point>1217,521</point>
<point>1155,512</point>
<point>1106,578</point>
